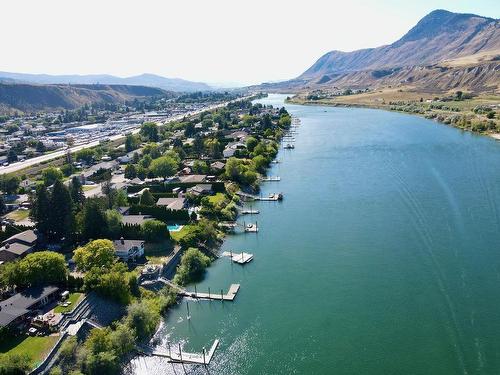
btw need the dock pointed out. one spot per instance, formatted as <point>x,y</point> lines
<point>229,296</point>
<point>218,296</point>
<point>183,357</point>
<point>251,228</point>
<point>271,197</point>
<point>271,179</point>
<point>249,212</point>
<point>240,257</point>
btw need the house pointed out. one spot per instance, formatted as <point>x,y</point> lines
<point>201,189</point>
<point>123,210</point>
<point>129,249</point>
<point>18,246</point>
<point>193,178</point>
<point>217,165</point>
<point>15,310</point>
<point>175,204</point>
<point>135,219</point>
<point>228,152</point>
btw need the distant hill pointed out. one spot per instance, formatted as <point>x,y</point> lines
<point>443,51</point>
<point>170,84</point>
<point>28,97</point>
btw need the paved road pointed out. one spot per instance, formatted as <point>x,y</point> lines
<point>57,154</point>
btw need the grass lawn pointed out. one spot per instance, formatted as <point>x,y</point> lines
<point>18,215</point>
<point>89,187</point>
<point>186,229</point>
<point>35,347</point>
<point>156,252</point>
<point>73,298</point>
<point>217,198</point>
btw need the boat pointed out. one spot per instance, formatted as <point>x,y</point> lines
<point>289,146</point>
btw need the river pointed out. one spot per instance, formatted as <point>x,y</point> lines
<point>383,258</point>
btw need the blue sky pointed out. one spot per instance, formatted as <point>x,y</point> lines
<point>213,41</point>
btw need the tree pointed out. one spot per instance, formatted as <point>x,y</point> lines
<point>97,253</point>
<point>9,184</point>
<point>155,231</point>
<point>114,222</point>
<point>93,220</point>
<point>61,212</point>
<point>149,131</point>
<point>76,191</point>
<point>40,147</point>
<point>40,268</point>
<point>213,147</point>
<point>251,143</point>
<point>40,206</point>
<point>11,156</point>
<point>14,364</point>
<point>164,166</point>
<point>147,198</point>
<point>51,175</point>
<point>142,318</point>
<point>3,207</point>
<point>130,172</point>
<point>86,155</point>
<point>120,198</point>
<point>192,266</point>
<point>132,142</point>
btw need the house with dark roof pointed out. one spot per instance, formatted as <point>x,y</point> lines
<point>18,246</point>
<point>14,311</point>
<point>129,249</point>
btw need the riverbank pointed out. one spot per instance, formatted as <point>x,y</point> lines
<point>470,114</point>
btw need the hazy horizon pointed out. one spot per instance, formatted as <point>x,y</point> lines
<point>222,43</point>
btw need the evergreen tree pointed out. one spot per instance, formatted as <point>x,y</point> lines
<point>40,207</point>
<point>76,191</point>
<point>94,223</point>
<point>61,212</point>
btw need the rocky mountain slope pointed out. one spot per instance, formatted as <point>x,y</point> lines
<point>443,51</point>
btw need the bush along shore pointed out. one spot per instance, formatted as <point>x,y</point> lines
<point>471,112</point>
<point>189,173</point>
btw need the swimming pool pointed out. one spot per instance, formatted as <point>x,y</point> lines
<point>174,227</point>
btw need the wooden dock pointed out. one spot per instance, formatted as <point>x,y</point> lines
<point>240,257</point>
<point>271,197</point>
<point>218,296</point>
<point>229,296</point>
<point>184,357</point>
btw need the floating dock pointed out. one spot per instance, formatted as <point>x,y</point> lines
<point>271,197</point>
<point>251,228</point>
<point>271,179</point>
<point>240,258</point>
<point>189,358</point>
<point>229,296</point>
<point>249,212</point>
<point>220,296</point>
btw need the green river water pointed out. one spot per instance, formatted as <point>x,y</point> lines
<point>383,258</point>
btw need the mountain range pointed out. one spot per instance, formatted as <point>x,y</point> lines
<point>443,51</point>
<point>152,80</point>
<point>29,97</point>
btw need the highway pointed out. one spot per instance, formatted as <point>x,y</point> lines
<point>14,167</point>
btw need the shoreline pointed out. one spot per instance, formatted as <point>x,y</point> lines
<point>495,136</point>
